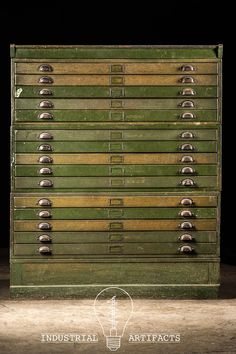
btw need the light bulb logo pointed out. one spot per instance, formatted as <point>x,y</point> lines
<point>113,308</point>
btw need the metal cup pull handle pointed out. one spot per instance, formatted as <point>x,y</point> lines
<point>187,182</point>
<point>187,104</point>
<point>45,159</point>
<point>44,226</point>
<point>187,92</point>
<point>186,214</point>
<point>186,249</point>
<point>187,115</point>
<point>44,214</point>
<point>45,80</point>
<point>45,68</point>
<point>44,238</point>
<point>44,202</point>
<point>187,80</point>
<point>45,116</point>
<point>187,171</point>
<point>188,68</point>
<point>45,136</point>
<point>186,201</point>
<point>186,238</point>
<point>187,135</point>
<point>46,183</point>
<point>44,250</point>
<point>186,225</point>
<point>45,104</point>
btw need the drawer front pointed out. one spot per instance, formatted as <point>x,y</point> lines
<point>118,146</point>
<point>116,104</point>
<point>114,92</point>
<point>104,201</point>
<point>126,159</point>
<point>116,170</point>
<point>116,67</point>
<point>97,135</point>
<point>115,213</point>
<point>113,183</point>
<point>105,225</point>
<point>165,272</point>
<point>113,237</point>
<point>116,115</point>
<point>56,250</point>
<point>114,80</point>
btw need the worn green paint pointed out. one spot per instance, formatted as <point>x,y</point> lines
<point>87,115</point>
<point>114,237</point>
<point>137,272</point>
<point>114,170</point>
<point>140,103</point>
<point>110,52</point>
<point>86,135</point>
<point>64,250</point>
<point>99,91</point>
<point>114,182</point>
<point>117,146</point>
<point>113,213</point>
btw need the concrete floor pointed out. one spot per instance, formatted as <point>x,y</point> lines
<point>205,326</point>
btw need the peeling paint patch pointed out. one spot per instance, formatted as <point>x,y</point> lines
<point>18,92</point>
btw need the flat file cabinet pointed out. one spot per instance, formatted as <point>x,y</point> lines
<point>116,170</point>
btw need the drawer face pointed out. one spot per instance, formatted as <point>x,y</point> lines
<point>97,135</point>
<point>118,146</point>
<point>116,115</point>
<point>128,273</point>
<point>113,237</point>
<point>116,170</point>
<point>104,201</point>
<point>117,67</point>
<point>127,159</point>
<point>105,225</point>
<point>115,182</point>
<point>114,80</point>
<point>127,103</point>
<point>114,213</point>
<point>114,92</point>
<point>107,249</point>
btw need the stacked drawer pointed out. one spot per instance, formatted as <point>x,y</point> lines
<point>115,171</point>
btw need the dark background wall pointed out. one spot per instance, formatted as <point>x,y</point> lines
<point>116,23</point>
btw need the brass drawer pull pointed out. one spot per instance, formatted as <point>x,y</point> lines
<point>44,238</point>
<point>186,225</point>
<point>45,136</point>
<point>186,238</point>
<point>186,214</point>
<point>46,183</point>
<point>45,171</point>
<point>45,115</point>
<point>45,68</point>
<point>44,250</point>
<point>45,159</point>
<point>44,214</point>
<point>186,201</point>
<point>187,170</point>
<point>187,158</point>
<point>187,104</point>
<point>187,135</point>
<point>44,226</point>
<point>186,249</point>
<point>187,92</point>
<point>187,115</point>
<point>45,80</point>
<point>45,147</point>
<point>44,202</point>
<point>187,182</point>
<point>45,92</point>
<point>188,68</point>
<point>45,104</point>
<point>187,147</point>
<point>187,80</point>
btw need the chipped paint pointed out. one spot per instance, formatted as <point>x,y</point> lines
<point>18,92</point>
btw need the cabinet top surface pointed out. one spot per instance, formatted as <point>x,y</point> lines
<point>117,51</point>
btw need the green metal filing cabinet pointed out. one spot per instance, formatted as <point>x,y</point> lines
<point>116,170</point>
